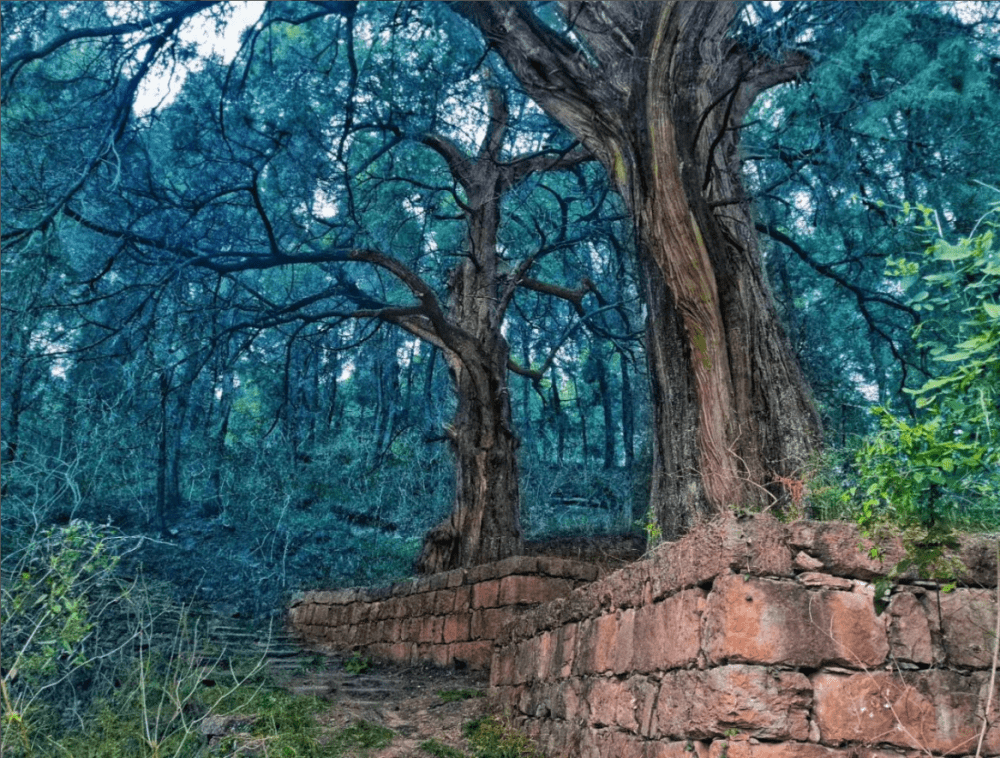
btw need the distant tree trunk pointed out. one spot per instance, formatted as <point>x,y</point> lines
<point>659,95</point>
<point>604,387</point>
<point>628,414</point>
<point>484,525</point>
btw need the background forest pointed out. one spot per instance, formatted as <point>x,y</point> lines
<point>239,240</point>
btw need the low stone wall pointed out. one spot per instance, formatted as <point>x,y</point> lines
<point>445,618</point>
<point>754,638</point>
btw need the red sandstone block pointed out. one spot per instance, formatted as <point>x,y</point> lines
<point>931,710</point>
<point>585,648</point>
<point>502,670</point>
<point>772,705</point>
<point>668,634</point>
<point>565,651</point>
<point>486,594</point>
<point>426,603</point>
<point>444,602</point>
<point>493,622</point>
<point>529,590</point>
<point>909,629</point>
<point>730,748</point>
<point>622,654</point>
<point>605,698</point>
<point>755,620</point>
<point>605,640</point>
<point>401,652</point>
<point>463,598</point>
<point>441,655</point>
<point>432,630</point>
<point>455,578</point>
<point>547,644</point>
<point>412,628</point>
<point>968,619</point>
<point>476,655</point>
<point>838,545</point>
<point>456,627</point>
<point>686,749</point>
<point>359,613</point>
<point>525,657</point>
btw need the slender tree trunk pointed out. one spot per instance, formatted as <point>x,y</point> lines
<point>628,414</point>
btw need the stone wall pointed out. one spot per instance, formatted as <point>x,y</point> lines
<point>753,638</point>
<point>443,618</point>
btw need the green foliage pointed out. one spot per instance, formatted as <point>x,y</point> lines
<point>357,664</point>
<point>940,471</point>
<point>362,734</point>
<point>490,737</point>
<point>440,750</point>
<point>454,696</point>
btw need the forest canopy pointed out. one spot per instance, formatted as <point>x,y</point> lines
<point>353,287</point>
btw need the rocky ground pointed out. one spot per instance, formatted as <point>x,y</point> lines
<point>416,703</point>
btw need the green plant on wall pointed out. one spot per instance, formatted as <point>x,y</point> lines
<point>941,470</point>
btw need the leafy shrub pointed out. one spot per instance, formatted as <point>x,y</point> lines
<point>490,737</point>
<point>940,471</point>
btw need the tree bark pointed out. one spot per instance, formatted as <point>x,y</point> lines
<point>658,92</point>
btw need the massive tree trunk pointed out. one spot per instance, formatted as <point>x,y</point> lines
<point>658,93</point>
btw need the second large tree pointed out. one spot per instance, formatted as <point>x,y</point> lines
<point>658,92</point>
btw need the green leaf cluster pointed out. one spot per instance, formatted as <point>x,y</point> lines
<point>941,470</point>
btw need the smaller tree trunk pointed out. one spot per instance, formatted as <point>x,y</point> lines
<point>483,527</point>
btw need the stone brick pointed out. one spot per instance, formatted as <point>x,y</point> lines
<point>486,594</point>
<point>668,634</point>
<point>686,749</point>
<point>475,655</point>
<point>621,660</point>
<point>529,590</point>
<point>736,748</point>
<point>819,579</point>
<point>548,643</point>
<point>502,670</point>
<point>487,623</point>
<point>931,710</point>
<point>456,627</point>
<point>756,544</point>
<point>806,562</point>
<point>755,620</point>
<point>909,631</point>
<point>444,602</point>
<point>968,618</point>
<point>431,630</point>
<point>525,656</point>
<point>604,639</point>
<point>463,598</point>
<point>838,545</point>
<point>772,705</point>
<point>605,698</point>
<point>565,651</point>
<point>644,693</point>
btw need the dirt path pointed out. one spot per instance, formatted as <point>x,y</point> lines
<point>406,700</point>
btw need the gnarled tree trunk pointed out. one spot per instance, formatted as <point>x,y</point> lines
<point>658,92</point>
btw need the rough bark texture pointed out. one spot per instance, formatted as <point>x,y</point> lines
<point>484,525</point>
<point>657,92</point>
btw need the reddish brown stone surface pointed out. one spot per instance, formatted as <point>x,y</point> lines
<point>968,618</point>
<point>755,620</point>
<point>767,704</point>
<point>929,710</point>
<point>742,748</point>
<point>909,629</point>
<point>668,634</point>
